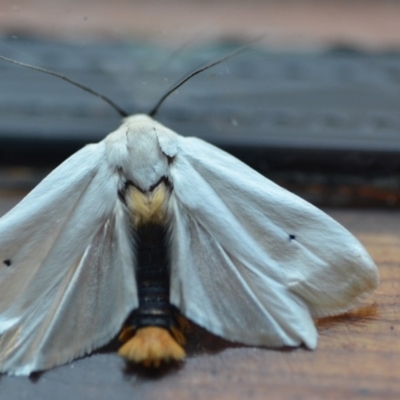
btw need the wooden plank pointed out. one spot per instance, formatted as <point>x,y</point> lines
<point>358,355</point>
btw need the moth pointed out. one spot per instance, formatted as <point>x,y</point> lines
<point>146,226</point>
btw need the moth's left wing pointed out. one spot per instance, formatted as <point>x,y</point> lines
<point>66,266</point>
<point>251,261</point>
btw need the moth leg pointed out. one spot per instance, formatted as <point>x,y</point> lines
<point>127,333</point>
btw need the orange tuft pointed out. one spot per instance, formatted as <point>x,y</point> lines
<point>151,346</point>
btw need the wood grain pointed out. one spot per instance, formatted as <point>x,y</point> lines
<point>358,356</point>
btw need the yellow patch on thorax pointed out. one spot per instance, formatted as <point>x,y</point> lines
<point>148,207</point>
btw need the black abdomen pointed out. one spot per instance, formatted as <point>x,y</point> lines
<point>153,280</point>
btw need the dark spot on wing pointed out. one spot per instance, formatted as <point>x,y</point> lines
<point>7,263</point>
<point>292,237</point>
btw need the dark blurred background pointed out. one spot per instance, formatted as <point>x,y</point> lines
<point>313,105</point>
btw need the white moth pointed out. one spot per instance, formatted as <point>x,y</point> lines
<point>249,261</point>
<point>245,259</point>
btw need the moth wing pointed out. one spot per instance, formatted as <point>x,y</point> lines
<point>66,273</point>
<point>251,261</point>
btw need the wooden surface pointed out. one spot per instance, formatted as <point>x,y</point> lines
<point>358,356</point>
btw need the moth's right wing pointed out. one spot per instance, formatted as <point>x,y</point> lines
<point>252,262</point>
<point>66,266</point>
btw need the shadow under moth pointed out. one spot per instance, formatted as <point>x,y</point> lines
<point>146,226</point>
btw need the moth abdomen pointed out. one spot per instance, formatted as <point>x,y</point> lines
<point>154,324</point>
<point>152,276</point>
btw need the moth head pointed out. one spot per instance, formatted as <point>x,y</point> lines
<point>141,150</point>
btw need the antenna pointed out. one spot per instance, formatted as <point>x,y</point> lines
<point>197,71</point>
<point>154,110</point>
<point>119,110</point>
